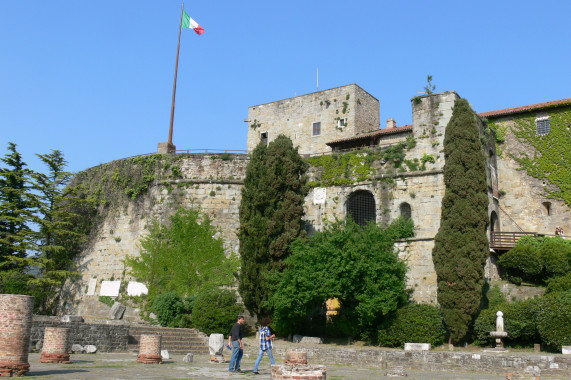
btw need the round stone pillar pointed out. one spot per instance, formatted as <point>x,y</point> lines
<point>55,346</point>
<point>15,330</point>
<point>150,349</point>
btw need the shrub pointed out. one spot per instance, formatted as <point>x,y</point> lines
<point>521,262</point>
<point>169,309</point>
<point>554,255</point>
<point>559,284</point>
<point>415,323</point>
<point>519,323</point>
<point>215,310</point>
<point>554,320</point>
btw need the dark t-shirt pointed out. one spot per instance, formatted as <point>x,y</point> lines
<point>236,331</point>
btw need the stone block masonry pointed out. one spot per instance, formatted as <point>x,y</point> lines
<point>15,327</point>
<point>106,337</point>
<point>303,372</point>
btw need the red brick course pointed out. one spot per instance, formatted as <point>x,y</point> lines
<point>15,330</point>
<point>55,348</point>
<point>150,349</point>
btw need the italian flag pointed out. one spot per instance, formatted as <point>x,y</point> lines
<point>188,22</point>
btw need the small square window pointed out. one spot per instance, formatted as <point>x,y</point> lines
<point>543,125</point>
<point>341,123</point>
<point>317,128</point>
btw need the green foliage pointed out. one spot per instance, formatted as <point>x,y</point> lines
<point>429,88</point>
<point>536,260</point>
<point>520,263</point>
<point>271,214</point>
<point>461,244</point>
<point>109,301</point>
<point>168,307</point>
<point>182,257</point>
<point>550,159</point>
<point>519,323</point>
<point>40,232</point>
<point>356,265</point>
<point>554,320</point>
<point>357,166</point>
<point>215,311</point>
<point>493,296</point>
<point>414,323</point>
<point>559,284</point>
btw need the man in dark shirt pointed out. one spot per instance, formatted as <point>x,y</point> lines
<point>235,341</point>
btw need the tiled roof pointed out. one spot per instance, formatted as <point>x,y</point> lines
<point>514,110</point>
<point>365,136</point>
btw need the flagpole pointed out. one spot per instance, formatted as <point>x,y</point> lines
<point>175,75</point>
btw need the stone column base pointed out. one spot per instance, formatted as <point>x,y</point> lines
<point>307,372</point>
<point>54,358</point>
<point>150,359</point>
<point>13,369</point>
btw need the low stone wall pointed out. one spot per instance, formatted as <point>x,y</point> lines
<point>453,361</point>
<point>106,337</point>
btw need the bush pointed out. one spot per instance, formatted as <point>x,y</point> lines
<point>559,284</point>
<point>169,309</point>
<point>554,320</point>
<point>519,323</point>
<point>414,323</point>
<point>521,263</point>
<point>554,255</point>
<point>215,311</point>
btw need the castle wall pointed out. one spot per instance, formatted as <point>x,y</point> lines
<point>209,183</point>
<point>294,117</point>
<point>525,196</point>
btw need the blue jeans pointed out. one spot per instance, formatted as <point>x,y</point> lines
<point>270,355</point>
<point>237,353</point>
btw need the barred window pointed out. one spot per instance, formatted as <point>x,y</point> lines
<point>361,207</point>
<point>405,210</point>
<point>543,126</point>
<point>317,128</point>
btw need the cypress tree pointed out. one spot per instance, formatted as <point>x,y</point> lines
<point>461,245</point>
<point>271,214</point>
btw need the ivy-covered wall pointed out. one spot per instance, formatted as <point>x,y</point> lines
<point>535,170</point>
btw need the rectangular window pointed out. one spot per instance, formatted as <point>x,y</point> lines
<point>543,126</point>
<point>264,137</point>
<point>317,128</point>
<point>341,123</point>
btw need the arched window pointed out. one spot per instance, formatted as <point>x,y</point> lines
<point>494,222</point>
<point>547,208</point>
<point>405,210</point>
<point>361,207</point>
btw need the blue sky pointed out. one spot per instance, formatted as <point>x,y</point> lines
<point>94,78</point>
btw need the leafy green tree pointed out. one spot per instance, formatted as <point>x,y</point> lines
<point>215,310</point>
<point>182,257</point>
<point>270,217</point>
<point>357,265</point>
<point>461,245</point>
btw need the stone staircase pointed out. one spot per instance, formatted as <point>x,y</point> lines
<point>176,341</point>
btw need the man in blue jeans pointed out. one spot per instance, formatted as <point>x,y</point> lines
<point>235,341</point>
<point>266,339</point>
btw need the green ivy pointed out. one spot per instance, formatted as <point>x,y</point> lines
<point>551,156</point>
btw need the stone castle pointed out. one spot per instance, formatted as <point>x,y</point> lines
<point>327,122</point>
